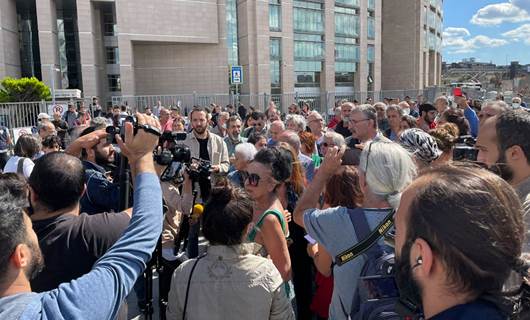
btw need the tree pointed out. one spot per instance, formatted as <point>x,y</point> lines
<point>23,90</point>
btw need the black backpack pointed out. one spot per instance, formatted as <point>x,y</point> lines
<point>376,293</point>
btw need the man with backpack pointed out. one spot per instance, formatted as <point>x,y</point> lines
<point>385,170</point>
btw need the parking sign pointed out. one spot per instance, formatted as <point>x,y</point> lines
<point>236,74</point>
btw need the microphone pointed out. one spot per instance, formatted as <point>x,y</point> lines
<point>197,211</point>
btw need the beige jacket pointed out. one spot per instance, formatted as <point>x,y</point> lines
<point>216,149</point>
<point>177,205</point>
<point>229,283</point>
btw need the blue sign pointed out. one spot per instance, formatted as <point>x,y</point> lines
<point>236,74</point>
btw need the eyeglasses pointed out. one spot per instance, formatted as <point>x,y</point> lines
<point>253,179</point>
<point>357,121</point>
<point>325,144</point>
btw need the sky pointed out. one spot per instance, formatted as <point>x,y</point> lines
<point>489,30</point>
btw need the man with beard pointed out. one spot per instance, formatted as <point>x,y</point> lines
<point>342,127</point>
<point>459,232</point>
<point>427,116</point>
<point>234,135</point>
<point>208,147</point>
<point>102,194</point>
<point>98,293</point>
<point>504,146</point>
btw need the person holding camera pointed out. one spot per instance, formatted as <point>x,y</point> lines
<point>211,149</point>
<point>385,170</point>
<point>99,293</point>
<point>97,153</point>
<point>228,282</point>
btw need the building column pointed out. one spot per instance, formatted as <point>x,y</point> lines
<point>432,68</point>
<point>361,81</point>
<point>287,65</point>
<point>128,85</point>
<point>87,51</point>
<point>378,49</point>
<point>49,50</point>
<point>327,76</point>
<point>9,44</point>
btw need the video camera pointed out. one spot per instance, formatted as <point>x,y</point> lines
<point>175,155</point>
<point>112,131</point>
<point>464,149</point>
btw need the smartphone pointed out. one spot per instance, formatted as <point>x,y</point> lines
<point>351,157</point>
<point>457,92</point>
<point>377,287</point>
<point>309,239</point>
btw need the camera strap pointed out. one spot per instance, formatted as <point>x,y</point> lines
<point>368,242</point>
<point>189,284</point>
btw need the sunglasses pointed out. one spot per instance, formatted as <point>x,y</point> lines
<point>253,179</point>
<point>325,144</point>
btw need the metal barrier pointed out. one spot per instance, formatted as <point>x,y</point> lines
<point>323,102</point>
<point>20,114</point>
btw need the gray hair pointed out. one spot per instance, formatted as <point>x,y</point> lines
<point>443,98</point>
<point>380,105</point>
<point>298,120</point>
<point>292,139</point>
<point>368,112</point>
<point>99,123</point>
<point>396,108</point>
<point>497,104</point>
<point>337,138</point>
<point>388,169</point>
<point>246,150</point>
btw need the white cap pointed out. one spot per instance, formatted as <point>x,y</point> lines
<point>43,116</point>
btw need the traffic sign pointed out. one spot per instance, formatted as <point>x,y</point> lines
<point>236,74</point>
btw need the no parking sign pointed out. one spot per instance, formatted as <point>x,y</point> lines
<point>19,132</point>
<point>52,108</point>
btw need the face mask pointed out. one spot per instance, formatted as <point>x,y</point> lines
<point>346,119</point>
<point>409,290</point>
<point>223,126</point>
<point>516,105</point>
<point>406,111</point>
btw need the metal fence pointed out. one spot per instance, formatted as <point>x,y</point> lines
<point>20,114</point>
<point>24,114</point>
<point>323,102</point>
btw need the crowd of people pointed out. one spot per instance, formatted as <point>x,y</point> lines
<point>393,210</point>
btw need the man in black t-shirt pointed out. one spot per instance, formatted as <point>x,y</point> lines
<point>71,242</point>
<point>209,147</point>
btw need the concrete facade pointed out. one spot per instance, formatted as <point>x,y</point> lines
<point>9,44</point>
<point>411,49</point>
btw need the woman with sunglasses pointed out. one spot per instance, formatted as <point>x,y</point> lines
<point>270,168</point>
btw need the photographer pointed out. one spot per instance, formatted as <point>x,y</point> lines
<point>99,293</point>
<point>97,153</point>
<point>459,232</point>
<point>207,147</point>
<point>229,282</point>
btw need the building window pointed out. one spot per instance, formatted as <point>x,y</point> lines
<point>275,65</point>
<point>349,3</point>
<point>346,22</point>
<point>308,17</point>
<point>275,15</point>
<point>231,32</point>
<point>113,55</point>
<point>346,59</point>
<point>371,67</point>
<point>114,82</point>
<point>109,24</point>
<point>371,28</point>
<point>28,34</point>
<point>371,5</point>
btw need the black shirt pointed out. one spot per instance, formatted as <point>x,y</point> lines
<point>203,149</point>
<point>72,244</point>
<point>342,130</point>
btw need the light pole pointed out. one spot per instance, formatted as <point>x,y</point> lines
<point>53,69</point>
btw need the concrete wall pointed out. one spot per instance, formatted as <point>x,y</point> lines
<point>9,45</point>
<point>179,43</point>
<point>179,68</point>
<point>49,50</point>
